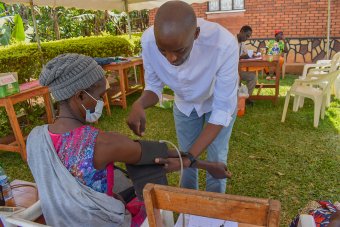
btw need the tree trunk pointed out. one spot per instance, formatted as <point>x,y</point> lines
<point>55,23</point>
<point>96,24</point>
<point>105,20</point>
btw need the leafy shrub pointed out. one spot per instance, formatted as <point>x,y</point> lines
<point>27,61</point>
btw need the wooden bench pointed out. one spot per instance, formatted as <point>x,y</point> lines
<point>286,63</point>
<point>246,211</point>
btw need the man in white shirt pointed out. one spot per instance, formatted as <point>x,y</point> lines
<point>249,77</point>
<point>198,60</point>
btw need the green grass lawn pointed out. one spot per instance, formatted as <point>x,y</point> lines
<point>292,162</point>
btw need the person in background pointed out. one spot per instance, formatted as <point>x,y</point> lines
<point>276,46</point>
<point>248,77</point>
<point>323,213</point>
<point>198,60</point>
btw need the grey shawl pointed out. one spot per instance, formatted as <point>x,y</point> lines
<point>64,200</point>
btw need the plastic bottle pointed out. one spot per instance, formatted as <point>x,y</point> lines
<point>6,187</point>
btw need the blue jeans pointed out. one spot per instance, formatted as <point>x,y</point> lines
<point>188,129</point>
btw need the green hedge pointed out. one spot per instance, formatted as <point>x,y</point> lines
<point>27,61</point>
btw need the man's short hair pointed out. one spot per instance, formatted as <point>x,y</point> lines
<point>246,28</point>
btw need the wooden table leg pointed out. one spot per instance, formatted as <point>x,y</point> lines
<point>141,75</point>
<point>107,104</point>
<point>16,128</point>
<point>122,88</point>
<point>126,79</point>
<point>48,106</point>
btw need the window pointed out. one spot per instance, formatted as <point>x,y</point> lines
<point>225,5</point>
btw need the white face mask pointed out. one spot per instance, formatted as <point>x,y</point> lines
<point>93,117</point>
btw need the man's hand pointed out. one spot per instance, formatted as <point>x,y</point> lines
<point>218,170</point>
<point>244,56</point>
<point>136,120</point>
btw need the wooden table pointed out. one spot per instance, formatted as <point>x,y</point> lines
<point>245,63</point>
<point>8,102</point>
<point>125,89</point>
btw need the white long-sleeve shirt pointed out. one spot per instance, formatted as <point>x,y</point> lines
<point>206,81</point>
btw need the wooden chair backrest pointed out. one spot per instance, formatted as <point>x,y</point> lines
<point>247,210</point>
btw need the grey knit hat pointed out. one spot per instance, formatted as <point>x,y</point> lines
<point>68,73</point>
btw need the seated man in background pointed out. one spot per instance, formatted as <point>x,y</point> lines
<point>249,77</point>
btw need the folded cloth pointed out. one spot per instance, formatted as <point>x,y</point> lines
<point>109,60</point>
<point>151,150</point>
<point>105,61</point>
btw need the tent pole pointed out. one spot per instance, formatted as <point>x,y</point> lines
<point>128,17</point>
<point>39,49</point>
<point>35,26</point>
<point>328,30</point>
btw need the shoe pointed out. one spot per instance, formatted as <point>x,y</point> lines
<point>249,102</point>
<point>271,78</point>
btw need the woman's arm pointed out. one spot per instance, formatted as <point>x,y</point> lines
<point>112,146</point>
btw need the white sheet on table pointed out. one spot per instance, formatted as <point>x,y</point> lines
<point>199,221</point>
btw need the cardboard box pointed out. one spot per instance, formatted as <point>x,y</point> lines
<point>8,84</point>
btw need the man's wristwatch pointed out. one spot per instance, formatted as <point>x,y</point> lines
<point>192,159</point>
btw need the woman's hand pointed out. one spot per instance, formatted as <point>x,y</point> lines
<point>217,170</point>
<point>172,153</point>
<point>172,164</point>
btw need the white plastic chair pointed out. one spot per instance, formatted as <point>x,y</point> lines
<point>315,71</point>
<point>310,88</point>
<point>23,216</point>
<point>323,66</point>
<point>26,217</point>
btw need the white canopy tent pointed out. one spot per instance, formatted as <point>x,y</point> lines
<point>121,5</point>
<point>129,5</point>
<point>100,4</point>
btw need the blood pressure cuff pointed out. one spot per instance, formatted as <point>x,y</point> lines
<point>143,174</point>
<point>150,151</point>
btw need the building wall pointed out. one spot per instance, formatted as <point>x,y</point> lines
<point>297,18</point>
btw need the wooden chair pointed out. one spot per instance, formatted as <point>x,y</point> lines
<point>246,211</point>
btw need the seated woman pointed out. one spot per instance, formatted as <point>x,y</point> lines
<point>277,46</point>
<point>72,163</point>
